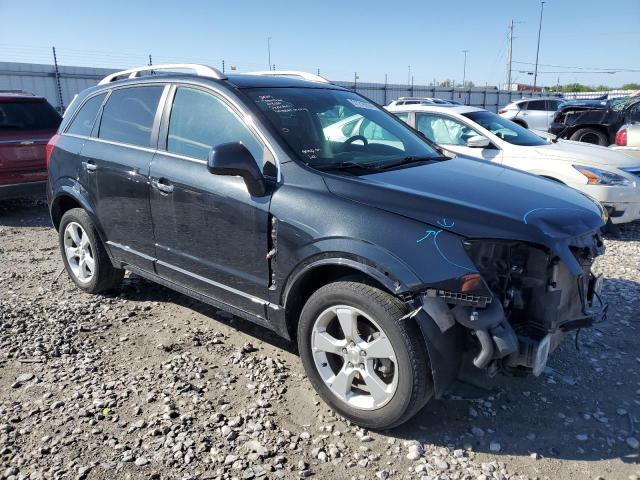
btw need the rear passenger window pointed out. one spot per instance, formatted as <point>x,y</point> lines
<point>82,124</point>
<point>539,105</point>
<point>129,113</point>
<point>200,121</point>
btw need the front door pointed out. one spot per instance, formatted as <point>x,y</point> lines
<point>211,234</point>
<point>453,135</point>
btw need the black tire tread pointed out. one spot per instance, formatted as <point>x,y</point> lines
<point>581,131</point>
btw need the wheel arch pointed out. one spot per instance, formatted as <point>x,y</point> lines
<point>323,269</point>
<point>69,195</point>
<point>520,122</point>
<point>594,126</point>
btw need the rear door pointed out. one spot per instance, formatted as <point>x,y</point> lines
<point>535,115</point>
<point>26,125</point>
<point>119,156</point>
<point>211,234</point>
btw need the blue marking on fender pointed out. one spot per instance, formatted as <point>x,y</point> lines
<point>434,234</point>
<point>428,234</point>
<point>445,223</point>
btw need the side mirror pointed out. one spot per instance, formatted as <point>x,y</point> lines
<point>235,159</point>
<point>478,141</point>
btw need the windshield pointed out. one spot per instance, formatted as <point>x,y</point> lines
<point>619,104</point>
<point>329,128</point>
<point>506,129</point>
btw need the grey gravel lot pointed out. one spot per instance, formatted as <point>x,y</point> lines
<point>147,383</point>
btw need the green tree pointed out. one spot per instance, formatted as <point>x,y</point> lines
<point>631,86</point>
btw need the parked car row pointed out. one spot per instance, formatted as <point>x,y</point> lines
<point>306,208</point>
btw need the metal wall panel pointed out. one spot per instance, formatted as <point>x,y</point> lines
<point>41,80</point>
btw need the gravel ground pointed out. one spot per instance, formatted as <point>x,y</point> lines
<point>151,384</point>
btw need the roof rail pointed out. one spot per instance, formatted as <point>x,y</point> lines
<point>291,73</point>
<point>200,70</point>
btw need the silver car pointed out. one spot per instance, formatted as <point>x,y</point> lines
<point>628,139</point>
<point>535,114</point>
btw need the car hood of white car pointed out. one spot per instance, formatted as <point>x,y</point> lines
<point>584,153</point>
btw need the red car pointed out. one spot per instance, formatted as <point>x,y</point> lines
<point>27,122</point>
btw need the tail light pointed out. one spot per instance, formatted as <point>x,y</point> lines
<point>621,137</point>
<point>50,146</point>
<point>500,112</point>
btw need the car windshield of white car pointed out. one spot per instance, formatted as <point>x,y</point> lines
<point>337,129</point>
<point>505,129</point>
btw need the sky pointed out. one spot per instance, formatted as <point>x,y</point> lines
<point>341,38</point>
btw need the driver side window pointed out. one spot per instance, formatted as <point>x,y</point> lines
<point>443,130</point>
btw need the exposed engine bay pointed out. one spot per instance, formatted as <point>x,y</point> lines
<point>533,300</point>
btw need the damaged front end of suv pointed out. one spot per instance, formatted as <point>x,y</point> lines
<point>510,315</point>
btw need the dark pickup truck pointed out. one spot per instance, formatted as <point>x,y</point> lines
<point>597,122</point>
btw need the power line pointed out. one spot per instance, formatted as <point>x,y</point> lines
<point>578,68</point>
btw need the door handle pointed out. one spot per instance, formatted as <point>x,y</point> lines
<point>90,166</point>
<point>162,187</point>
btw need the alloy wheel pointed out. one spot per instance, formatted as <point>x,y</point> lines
<point>79,252</point>
<point>354,357</point>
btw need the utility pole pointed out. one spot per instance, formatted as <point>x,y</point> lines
<point>510,57</point>
<point>535,75</point>
<point>150,61</point>
<point>57,75</point>
<point>269,50</point>
<point>464,69</point>
<point>222,66</point>
<point>409,76</point>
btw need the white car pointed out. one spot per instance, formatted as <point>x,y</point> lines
<point>532,113</point>
<point>609,176</point>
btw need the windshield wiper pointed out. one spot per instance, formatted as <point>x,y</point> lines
<point>376,165</point>
<point>409,160</point>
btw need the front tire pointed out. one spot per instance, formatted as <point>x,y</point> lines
<point>590,135</point>
<point>83,254</point>
<point>365,362</point>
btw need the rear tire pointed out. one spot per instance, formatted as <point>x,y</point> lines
<point>84,255</point>
<point>590,135</point>
<point>375,389</point>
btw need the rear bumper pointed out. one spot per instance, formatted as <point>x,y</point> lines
<point>23,190</point>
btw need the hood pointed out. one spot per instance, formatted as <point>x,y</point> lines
<point>586,153</point>
<point>479,200</point>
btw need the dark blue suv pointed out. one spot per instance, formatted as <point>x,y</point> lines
<point>306,208</point>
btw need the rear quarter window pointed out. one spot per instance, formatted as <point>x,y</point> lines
<point>28,116</point>
<point>83,122</point>
<point>129,113</point>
